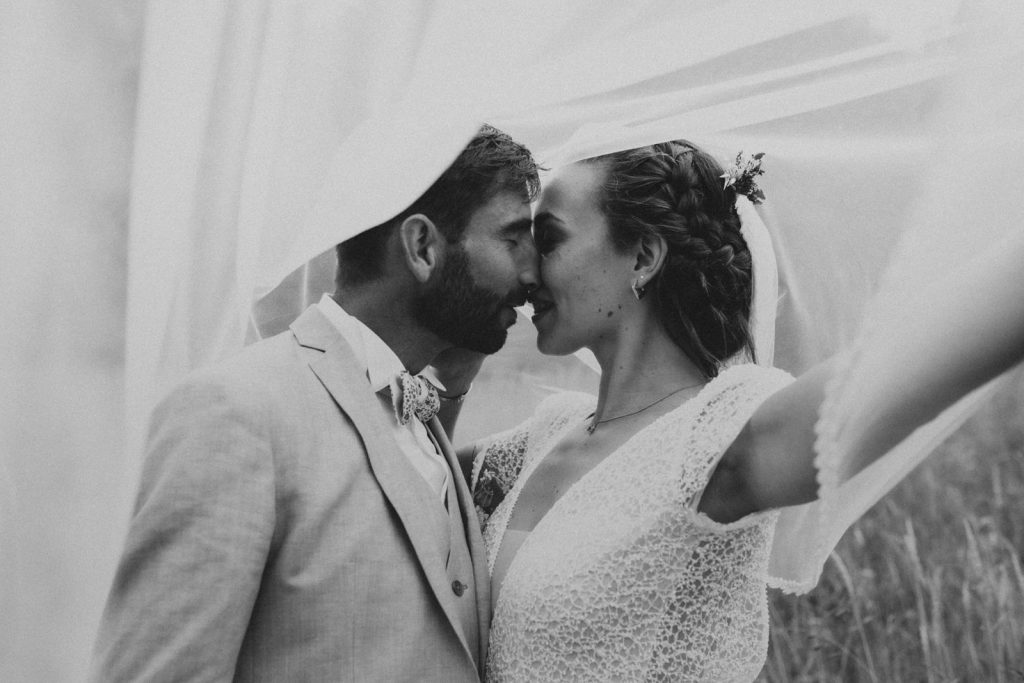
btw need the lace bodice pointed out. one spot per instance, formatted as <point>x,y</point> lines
<point>623,580</point>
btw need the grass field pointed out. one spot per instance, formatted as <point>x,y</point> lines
<point>929,585</point>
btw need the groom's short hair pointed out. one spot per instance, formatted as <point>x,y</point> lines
<point>491,163</point>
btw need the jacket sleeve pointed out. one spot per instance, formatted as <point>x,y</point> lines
<point>197,544</point>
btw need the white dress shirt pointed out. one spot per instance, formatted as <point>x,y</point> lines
<point>381,365</point>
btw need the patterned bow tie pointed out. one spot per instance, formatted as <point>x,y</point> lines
<point>413,396</point>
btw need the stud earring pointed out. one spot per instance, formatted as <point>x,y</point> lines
<point>638,288</point>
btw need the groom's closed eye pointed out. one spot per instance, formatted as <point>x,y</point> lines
<point>517,233</point>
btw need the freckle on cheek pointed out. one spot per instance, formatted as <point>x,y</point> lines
<point>610,314</point>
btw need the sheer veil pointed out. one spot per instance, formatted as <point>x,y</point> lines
<point>962,213</point>
<point>765,298</point>
<point>261,154</point>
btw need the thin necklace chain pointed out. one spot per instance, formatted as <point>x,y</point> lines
<point>593,423</point>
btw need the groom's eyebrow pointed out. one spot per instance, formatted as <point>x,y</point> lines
<point>517,227</point>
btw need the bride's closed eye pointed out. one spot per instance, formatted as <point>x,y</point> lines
<point>547,236</point>
<point>546,245</point>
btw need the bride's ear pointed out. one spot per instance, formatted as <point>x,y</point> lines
<point>651,252</point>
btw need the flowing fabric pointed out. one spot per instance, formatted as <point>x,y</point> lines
<point>764,299</point>
<point>256,152</point>
<point>963,214</point>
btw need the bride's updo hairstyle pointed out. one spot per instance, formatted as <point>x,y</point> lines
<point>702,293</point>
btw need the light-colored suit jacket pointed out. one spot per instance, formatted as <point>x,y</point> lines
<point>280,534</point>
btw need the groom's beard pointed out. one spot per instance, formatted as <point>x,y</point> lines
<point>461,312</point>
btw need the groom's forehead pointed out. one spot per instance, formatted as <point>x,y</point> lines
<point>505,213</point>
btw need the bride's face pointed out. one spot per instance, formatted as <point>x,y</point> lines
<point>585,280</point>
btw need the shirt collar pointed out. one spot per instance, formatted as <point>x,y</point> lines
<point>371,352</point>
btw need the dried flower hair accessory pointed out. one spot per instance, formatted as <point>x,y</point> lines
<point>742,175</point>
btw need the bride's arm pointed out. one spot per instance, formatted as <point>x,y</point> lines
<point>961,333</point>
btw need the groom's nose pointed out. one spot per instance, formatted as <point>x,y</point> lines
<point>528,264</point>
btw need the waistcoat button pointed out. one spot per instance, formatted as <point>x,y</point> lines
<point>459,588</point>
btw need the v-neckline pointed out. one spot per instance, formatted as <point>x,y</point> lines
<point>512,499</point>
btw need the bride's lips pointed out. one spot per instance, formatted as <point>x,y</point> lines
<point>540,309</point>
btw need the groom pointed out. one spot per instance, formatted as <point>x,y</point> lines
<point>296,519</point>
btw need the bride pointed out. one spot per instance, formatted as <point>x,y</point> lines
<point>628,537</point>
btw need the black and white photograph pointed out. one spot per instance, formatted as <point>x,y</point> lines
<point>456,342</point>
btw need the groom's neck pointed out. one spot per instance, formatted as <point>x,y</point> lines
<point>388,313</point>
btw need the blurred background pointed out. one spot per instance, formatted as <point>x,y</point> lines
<point>68,80</point>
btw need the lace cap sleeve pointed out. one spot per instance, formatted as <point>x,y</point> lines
<point>500,457</point>
<point>724,408</point>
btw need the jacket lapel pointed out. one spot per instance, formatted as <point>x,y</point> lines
<point>400,483</point>
<point>475,540</point>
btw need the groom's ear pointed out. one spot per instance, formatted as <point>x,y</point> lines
<point>651,251</point>
<point>422,245</point>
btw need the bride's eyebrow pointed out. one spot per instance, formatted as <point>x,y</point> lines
<point>545,217</point>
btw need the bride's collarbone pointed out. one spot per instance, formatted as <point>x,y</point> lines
<point>571,459</point>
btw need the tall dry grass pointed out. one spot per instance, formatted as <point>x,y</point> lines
<point>929,585</point>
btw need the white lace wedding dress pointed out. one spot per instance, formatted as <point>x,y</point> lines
<point>623,580</point>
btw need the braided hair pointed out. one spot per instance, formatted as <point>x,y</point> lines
<point>702,294</point>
